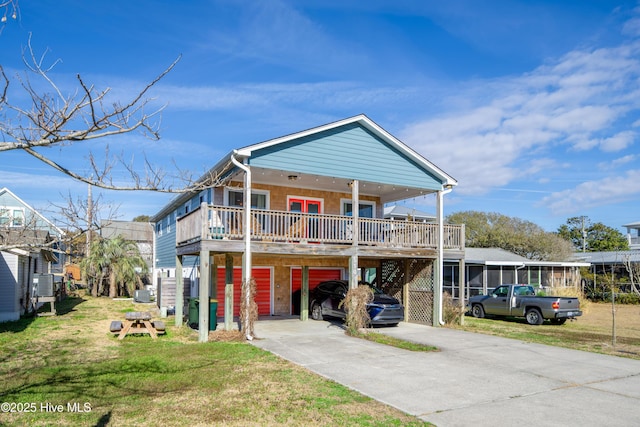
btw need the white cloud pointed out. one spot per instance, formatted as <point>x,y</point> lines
<point>580,102</point>
<point>617,163</point>
<point>618,142</point>
<point>595,193</point>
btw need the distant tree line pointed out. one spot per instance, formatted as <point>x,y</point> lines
<point>495,230</point>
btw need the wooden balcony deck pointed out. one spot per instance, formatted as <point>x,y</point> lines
<point>210,222</point>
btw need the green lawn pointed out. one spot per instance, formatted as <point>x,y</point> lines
<point>593,331</point>
<point>52,368</point>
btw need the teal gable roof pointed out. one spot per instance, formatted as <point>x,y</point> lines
<point>351,151</point>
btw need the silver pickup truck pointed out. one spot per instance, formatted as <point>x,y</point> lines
<point>520,300</point>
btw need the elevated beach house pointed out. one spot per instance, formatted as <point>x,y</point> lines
<point>296,210</point>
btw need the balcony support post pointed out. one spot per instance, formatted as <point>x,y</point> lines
<point>228,292</point>
<point>179,292</point>
<point>246,257</point>
<point>304,294</point>
<point>355,214</point>
<point>203,297</point>
<point>439,282</point>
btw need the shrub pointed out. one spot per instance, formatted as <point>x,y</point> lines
<point>621,298</point>
<point>451,310</point>
<point>355,307</point>
<point>572,292</point>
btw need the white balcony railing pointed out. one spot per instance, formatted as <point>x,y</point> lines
<point>222,222</point>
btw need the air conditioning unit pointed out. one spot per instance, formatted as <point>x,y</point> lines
<point>142,296</point>
<point>43,285</point>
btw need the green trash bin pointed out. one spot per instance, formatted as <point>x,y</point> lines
<point>213,314</point>
<point>194,313</point>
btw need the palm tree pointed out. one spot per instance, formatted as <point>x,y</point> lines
<point>118,260</point>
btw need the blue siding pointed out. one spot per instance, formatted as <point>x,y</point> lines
<point>166,230</point>
<point>166,249</point>
<point>347,152</point>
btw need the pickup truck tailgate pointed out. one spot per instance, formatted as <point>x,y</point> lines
<point>569,304</point>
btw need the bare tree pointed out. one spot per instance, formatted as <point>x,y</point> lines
<point>53,119</point>
<point>8,8</point>
<point>78,216</point>
<point>24,232</point>
<point>633,268</point>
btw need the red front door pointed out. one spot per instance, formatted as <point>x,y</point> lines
<point>305,206</point>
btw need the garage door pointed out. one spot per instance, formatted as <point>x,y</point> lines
<point>316,276</point>
<point>263,294</point>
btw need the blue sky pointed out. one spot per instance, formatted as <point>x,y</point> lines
<point>533,106</point>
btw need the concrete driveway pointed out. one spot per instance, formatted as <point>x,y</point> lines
<point>473,380</point>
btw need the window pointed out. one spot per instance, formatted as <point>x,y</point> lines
<point>12,217</point>
<point>366,209</point>
<point>493,276</point>
<point>508,275</point>
<point>502,291</point>
<point>18,218</point>
<point>259,199</point>
<point>5,216</point>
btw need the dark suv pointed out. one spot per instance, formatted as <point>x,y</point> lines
<point>324,300</point>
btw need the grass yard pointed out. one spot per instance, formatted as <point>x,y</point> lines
<point>68,370</point>
<point>590,332</point>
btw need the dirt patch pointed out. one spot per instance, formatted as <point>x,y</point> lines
<point>600,316</point>
<point>226,336</point>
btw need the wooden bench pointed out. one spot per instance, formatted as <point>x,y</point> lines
<point>160,326</point>
<point>116,326</point>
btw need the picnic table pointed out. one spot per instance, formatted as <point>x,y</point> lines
<point>139,322</point>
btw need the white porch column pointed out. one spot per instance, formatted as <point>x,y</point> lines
<point>462,278</point>
<point>246,257</point>
<point>355,215</point>
<point>437,318</point>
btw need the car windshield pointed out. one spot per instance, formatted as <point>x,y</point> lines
<point>376,291</point>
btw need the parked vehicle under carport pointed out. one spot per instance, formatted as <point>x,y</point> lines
<point>325,299</point>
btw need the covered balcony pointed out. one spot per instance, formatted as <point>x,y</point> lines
<point>221,228</point>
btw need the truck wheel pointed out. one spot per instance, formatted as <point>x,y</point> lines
<point>477,311</point>
<point>560,321</point>
<point>534,317</point>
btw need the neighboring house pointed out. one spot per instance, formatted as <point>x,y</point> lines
<point>282,212</point>
<point>487,268</point>
<point>407,214</point>
<point>28,246</point>
<point>139,232</point>
<point>612,262</point>
<point>633,235</point>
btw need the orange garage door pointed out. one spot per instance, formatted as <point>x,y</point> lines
<point>263,294</point>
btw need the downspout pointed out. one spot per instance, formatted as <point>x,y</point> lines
<point>440,217</point>
<point>247,234</point>
<point>154,266</point>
